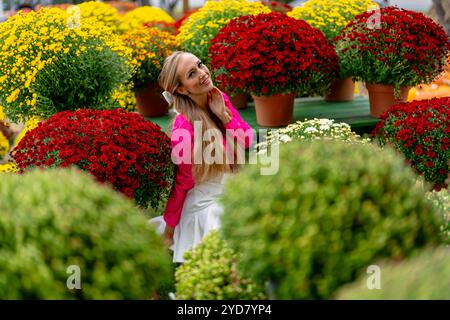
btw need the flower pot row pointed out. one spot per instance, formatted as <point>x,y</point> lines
<point>271,53</point>
<point>381,97</point>
<point>277,110</point>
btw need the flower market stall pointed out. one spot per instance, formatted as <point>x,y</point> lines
<point>88,150</point>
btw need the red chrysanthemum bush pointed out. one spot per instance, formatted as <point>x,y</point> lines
<point>270,54</point>
<point>115,146</point>
<point>421,131</point>
<point>392,46</point>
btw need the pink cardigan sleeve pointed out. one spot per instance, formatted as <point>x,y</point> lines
<point>240,129</point>
<point>183,176</point>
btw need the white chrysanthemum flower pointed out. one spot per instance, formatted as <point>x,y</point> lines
<point>311,130</point>
<point>285,138</point>
<point>327,122</point>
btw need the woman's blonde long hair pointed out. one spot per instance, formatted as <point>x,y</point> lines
<point>169,81</point>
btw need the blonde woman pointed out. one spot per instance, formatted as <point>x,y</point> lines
<point>203,111</point>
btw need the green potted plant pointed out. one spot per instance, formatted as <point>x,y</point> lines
<point>65,237</point>
<point>422,277</point>
<point>210,273</point>
<point>335,210</point>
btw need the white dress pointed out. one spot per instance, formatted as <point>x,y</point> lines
<point>200,214</point>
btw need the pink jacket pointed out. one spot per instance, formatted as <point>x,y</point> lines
<point>183,179</point>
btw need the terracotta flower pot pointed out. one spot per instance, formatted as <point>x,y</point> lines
<point>341,90</point>
<point>150,101</point>
<point>381,97</point>
<point>240,100</point>
<point>6,129</point>
<point>274,111</point>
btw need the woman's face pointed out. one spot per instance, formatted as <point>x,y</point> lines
<point>194,76</point>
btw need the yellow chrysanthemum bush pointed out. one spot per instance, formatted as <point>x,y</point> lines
<point>138,17</point>
<point>4,145</point>
<point>203,25</point>
<point>330,16</point>
<point>31,123</point>
<point>4,138</point>
<point>124,97</point>
<point>150,46</point>
<point>8,167</point>
<point>103,12</point>
<point>51,60</point>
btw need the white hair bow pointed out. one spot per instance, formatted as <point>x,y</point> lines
<point>168,96</point>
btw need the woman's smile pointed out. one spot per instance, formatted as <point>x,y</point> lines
<point>206,81</point>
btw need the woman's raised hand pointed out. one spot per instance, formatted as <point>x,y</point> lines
<point>217,105</point>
